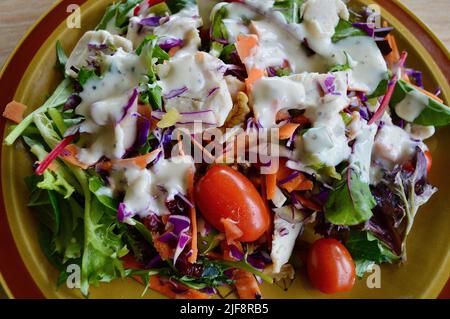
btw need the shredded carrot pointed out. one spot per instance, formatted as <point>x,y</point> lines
<point>271,185</point>
<point>232,231</point>
<point>174,51</point>
<point>193,258</point>
<point>287,130</point>
<point>14,111</point>
<point>246,44</point>
<point>246,285</point>
<point>306,185</point>
<point>104,165</point>
<point>394,56</point>
<point>165,287</point>
<point>163,249</point>
<point>253,76</point>
<point>204,150</point>
<point>294,183</point>
<point>70,156</point>
<point>140,161</point>
<point>431,95</point>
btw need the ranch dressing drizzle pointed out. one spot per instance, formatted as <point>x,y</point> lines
<point>147,190</point>
<point>206,89</point>
<point>412,105</point>
<point>103,102</point>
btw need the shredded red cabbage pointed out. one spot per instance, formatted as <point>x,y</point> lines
<point>369,28</point>
<point>180,223</point>
<point>186,200</point>
<point>236,253</point>
<point>417,77</point>
<point>130,103</point>
<point>151,21</point>
<point>176,93</point>
<point>170,43</point>
<point>123,213</point>
<point>96,46</point>
<point>183,240</point>
<point>143,129</point>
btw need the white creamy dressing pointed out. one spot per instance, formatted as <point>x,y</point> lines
<point>393,146</point>
<point>326,141</point>
<point>81,54</point>
<point>283,241</point>
<point>110,138</point>
<point>103,102</point>
<point>147,190</point>
<point>320,19</point>
<point>412,105</point>
<point>182,25</point>
<point>202,75</point>
<point>361,157</point>
<point>278,48</point>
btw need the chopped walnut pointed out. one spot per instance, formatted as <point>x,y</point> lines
<point>239,111</point>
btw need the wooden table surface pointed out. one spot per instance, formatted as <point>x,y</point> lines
<point>17,16</point>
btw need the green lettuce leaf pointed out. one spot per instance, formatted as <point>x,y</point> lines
<point>176,6</point>
<point>345,29</point>
<point>367,250</point>
<point>433,114</point>
<point>59,97</point>
<point>290,9</point>
<point>351,202</point>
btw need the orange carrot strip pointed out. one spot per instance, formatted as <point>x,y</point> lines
<point>204,150</point>
<point>431,95</point>
<point>271,185</point>
<point>292,185</point>
<point>306,185</point>
<point>193,258</point>
<point>70,156</point>
<point>158,284</point>
<point>164,250</point>
<point>140,161</point>
<point>232,231</point>
<point>287,130</point>
<point>246,285</point>
<point>14,111</point>
<point>174,51</point>
<point>253,76</point>
<point>245,45</point>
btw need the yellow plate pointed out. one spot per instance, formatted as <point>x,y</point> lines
<point>30,76</point>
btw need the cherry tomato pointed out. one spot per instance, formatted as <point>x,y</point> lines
<point>429,160</point>
<point>225,193</point>
<point>410,167</point>
<point>330,267</point>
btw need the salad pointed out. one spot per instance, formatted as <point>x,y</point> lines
<point>191,146</point>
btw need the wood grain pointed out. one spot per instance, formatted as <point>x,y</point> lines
<point>17,16</point>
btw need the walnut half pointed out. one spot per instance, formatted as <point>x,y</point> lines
<point>239,111</point>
